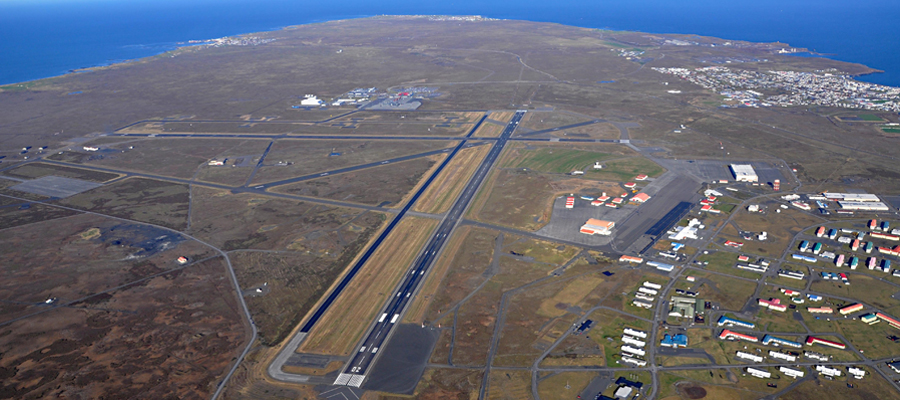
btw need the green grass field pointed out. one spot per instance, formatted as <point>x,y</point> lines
<point>556,160</point>
<point>626,169</point>
<point>869,117</point>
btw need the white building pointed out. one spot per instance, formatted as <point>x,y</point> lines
<point>748,356</point>
<point>641,304</point>
<point>816,356</point>
<point>633,350</point>
<point>793,373</point>
<point>311,100</point>
<point>633,341</point>
<point>636,333</point>
<point>759,373</point>
<point>851,196</point>
<point>635,361</point>
<point>828,370</point>
<point>595,226</point>
<point>782,356</point>
<point>863,205</point>
<point>744,173</point>
<point>642,296</point>
<point>857,373</point>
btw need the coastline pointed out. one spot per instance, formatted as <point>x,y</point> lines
<point>202,43</point>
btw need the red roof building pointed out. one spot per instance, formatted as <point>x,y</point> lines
<point>727,335</point>
<point>851,309</point>
<point>811,340</point>
<point>595,226</point>
<point>640,198</point>
<point>636,260</point>
<point>772,304</point>
<point>893,322</point>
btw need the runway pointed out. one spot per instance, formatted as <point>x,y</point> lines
<point>357,369</point>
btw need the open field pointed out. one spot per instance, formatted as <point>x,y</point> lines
<point>502,116</point>
<point>311,156</point>
<point>471,272</point>
<point>487,130</point>
<point>38,170</point>
<point>14,212</point>
<point>478,315</point>
<point>509,385</point>
<point>594,131</point>
<point>347,318</point>
<point>435,117</point>
<point>559,159</point>
<point>599,345</point>
<point>444,190</point>
<point>347,126</point>
<point>539,121</point>
<point>536,317</point>
<point>385,185</point>
<point>530,207</point>
<point>176,157</point>
<point>80,256</point>
<point>681,388</point>
<point>140,199</point>
<point>730,293</point>
<point>184,322</point>
<point>563,385</point>
<point>246,221</point>
<point>873,387</point>
<point>466,260</point>
<point>724,262</point>
<point>622,170</point>
<point>291,283</point>
<point>439,384</point>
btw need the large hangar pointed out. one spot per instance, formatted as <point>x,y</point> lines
<point>744,173</point>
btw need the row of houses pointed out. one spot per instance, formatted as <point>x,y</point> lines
<point>632,351</point>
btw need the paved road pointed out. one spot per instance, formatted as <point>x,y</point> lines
<point>290,136</point>
<point>354,373</point>
<point>561,128</point>
<point>233,189</point>
<point>259,164</point>
<point>354,168</point>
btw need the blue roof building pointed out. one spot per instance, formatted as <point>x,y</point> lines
<point>679,340</point>
<point>723,320</point>
<point>776,341</point>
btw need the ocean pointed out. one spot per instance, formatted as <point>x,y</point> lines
<point>43,38</point>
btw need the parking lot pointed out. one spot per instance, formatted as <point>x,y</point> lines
<point>56,186</point>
